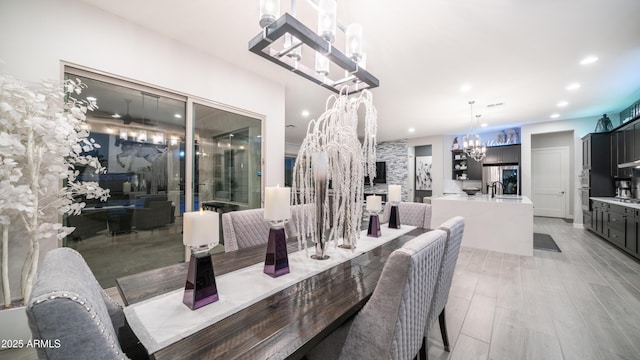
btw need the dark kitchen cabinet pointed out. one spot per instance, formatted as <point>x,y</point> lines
<point>617,224</point>
<point>598,214</point>
<point>475,169</point>
<point>617,152</point>
<point>586,152</point>
<point>622,151</point>
<point>494,154</point>
<point>628,144</point>
<point>596,163</point>
<point>507,154</point>
<point>631,239</point>
<point>636,141</point>
<point>587,219</point>
<point>464,167</point>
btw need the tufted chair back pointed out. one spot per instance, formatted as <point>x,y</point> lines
<point>69,309</point>
<point>415,214</point>
<point>248,228</point>
<point>390,326</point>
<point>454,228</point>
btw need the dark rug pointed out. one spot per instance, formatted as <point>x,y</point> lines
<point>544,242</point>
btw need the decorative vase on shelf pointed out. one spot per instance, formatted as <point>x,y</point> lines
<point>604,124</point>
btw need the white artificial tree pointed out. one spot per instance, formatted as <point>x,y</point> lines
<point>335,133</point>
<point>43,142</point>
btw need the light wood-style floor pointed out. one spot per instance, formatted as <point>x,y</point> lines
<point>582,303</point>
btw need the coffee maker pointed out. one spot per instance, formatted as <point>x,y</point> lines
<point>623,189</point>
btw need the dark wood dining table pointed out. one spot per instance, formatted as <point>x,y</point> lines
<point>284,325</point>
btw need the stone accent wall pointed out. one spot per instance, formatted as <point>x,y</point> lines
<point>394,153</point>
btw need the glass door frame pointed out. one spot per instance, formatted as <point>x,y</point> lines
<point>190,143</point>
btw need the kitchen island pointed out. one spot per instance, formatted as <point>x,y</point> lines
<point>503,223</point>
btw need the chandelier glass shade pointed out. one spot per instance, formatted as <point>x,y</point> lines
<point>472,143</point>
<point>269,11</point>
<point>327,22</point>
<point>354,41</point>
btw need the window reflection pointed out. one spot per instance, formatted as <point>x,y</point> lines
<point>228,157</point>
<point>142,141</point>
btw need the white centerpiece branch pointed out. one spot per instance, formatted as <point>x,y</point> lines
<point>335,133</point>
<point>44,143</point>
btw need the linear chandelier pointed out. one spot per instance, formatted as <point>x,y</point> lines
<point>295,34</point>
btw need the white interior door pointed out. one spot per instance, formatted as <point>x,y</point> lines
<point>550,181</point>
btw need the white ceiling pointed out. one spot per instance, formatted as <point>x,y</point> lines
<point>520,52</point>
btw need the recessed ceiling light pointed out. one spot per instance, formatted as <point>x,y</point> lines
<point>465,87</point>
<point>555,116</point>
<point>412,129</point>
<point>177,116</point>
<point>562,103</point>
<point>484,125</point>
<point>573,86</point>
<point>305,113</point>
<point>116,116</point>
<point>589,60</point>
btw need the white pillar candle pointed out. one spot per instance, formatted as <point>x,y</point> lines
<point>277,203</point>
<point>374,203</point>
<point>395,193</point>
<point>126,187</point>
<point>200,228</point>
<point>320,165</point>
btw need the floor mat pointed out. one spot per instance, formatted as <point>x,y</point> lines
<point>544,242</point>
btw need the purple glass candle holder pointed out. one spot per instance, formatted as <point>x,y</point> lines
<point>394,219</point>
<point>200,288</point>
<point>374,226</point>
<point>276,262</point>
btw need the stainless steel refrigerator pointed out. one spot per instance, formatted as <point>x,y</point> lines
<point>506,178</point>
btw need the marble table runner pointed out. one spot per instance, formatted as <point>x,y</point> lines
<point>163,320</point>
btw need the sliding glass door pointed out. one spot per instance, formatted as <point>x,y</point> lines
<point>164,154</point>
<point>227,161</point>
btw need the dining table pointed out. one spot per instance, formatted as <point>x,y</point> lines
<point>286,323</point>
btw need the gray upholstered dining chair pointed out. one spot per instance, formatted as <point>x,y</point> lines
<point>246,228</point>
<point>454,228</point>
<point>390,325</point>
<point>415,214</point>
<point>69,309</point>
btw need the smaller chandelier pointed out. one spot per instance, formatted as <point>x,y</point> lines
<point>472,143</point>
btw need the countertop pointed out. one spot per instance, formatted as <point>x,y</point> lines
<point>506,199</point>
<point>615,201</point>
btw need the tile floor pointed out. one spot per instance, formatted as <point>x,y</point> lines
<point>582,303</point>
